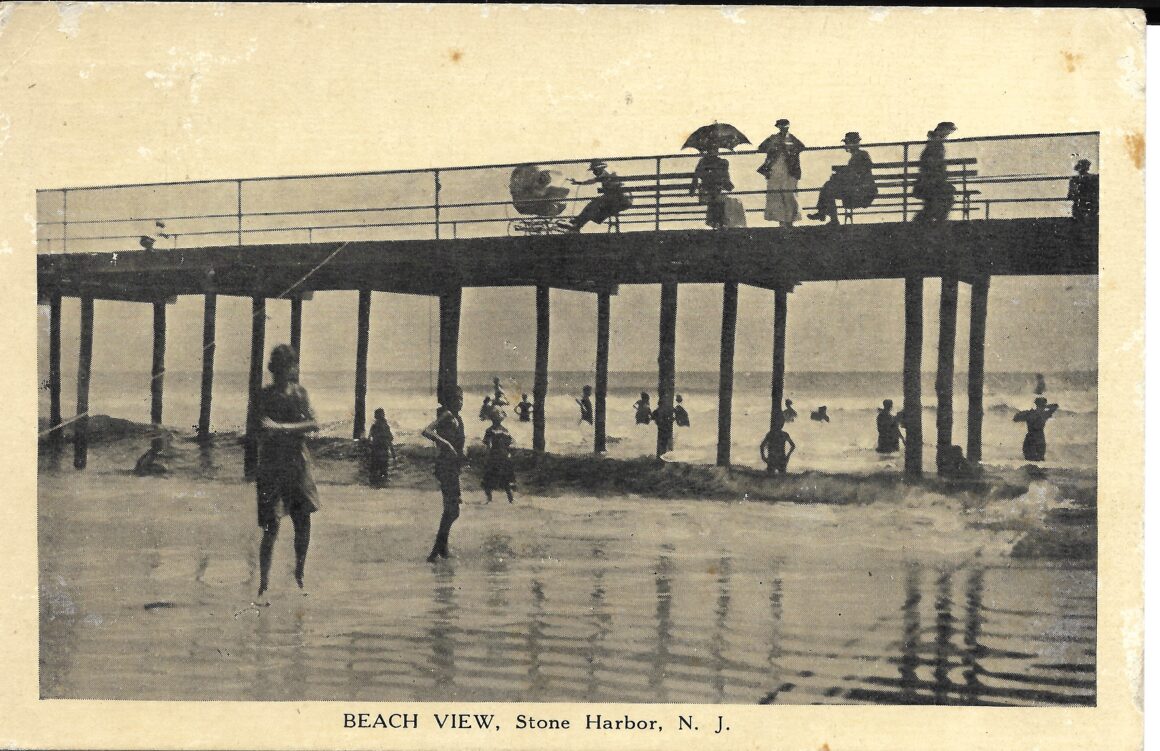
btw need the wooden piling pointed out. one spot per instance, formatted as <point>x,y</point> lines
<point>208,349</point>
<point>360,363</point>
<point>55,434</point>
<point>666,367</point>
<point>912,377</point>
<point>777,383</point>
<point>603,316</point>
<point>725,379</point>
<point>84,374</point>
<point>257,356</point>
<point>450,303</point>
<point>296,324</point>
<point>540,384</point>
<point>944,385</point>
<point>157,380</point>
<point>977,338</point>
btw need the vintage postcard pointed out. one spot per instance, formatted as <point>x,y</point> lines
<point>571,377</point>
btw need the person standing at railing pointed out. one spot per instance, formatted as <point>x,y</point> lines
<point>710,184</point>
<point>612,199</point>
<point>932,186</point>
<point>853,184</point>
<point>782,169</point>
<point>1083,191</point>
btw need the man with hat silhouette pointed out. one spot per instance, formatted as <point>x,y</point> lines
<point>1084,192</point>
<point>931,185</point>
<point>853,183</point>
<point>611,200</point>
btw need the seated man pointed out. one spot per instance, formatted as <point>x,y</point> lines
<point>612,200</point>
<point>854,183</point>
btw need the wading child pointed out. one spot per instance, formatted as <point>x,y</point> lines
<point>498,473</point>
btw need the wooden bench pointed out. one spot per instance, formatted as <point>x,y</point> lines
<point>659,197</point>
<point>895,181</point>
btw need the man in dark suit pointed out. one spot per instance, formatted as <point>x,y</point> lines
<point>853,183</point>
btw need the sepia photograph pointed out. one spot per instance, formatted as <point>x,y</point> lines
<point>592,376</point>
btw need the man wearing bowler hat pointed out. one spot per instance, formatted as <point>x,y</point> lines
<point>853,183</point>
<point>612,199</point>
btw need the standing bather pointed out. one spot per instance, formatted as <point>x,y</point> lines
<point>1035,442</point>
<point>285,479</point>
<point>782,170</point>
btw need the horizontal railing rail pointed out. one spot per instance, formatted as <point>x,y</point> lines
<point>1009,176</point>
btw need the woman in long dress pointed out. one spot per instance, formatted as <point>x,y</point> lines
<point>782,170</point>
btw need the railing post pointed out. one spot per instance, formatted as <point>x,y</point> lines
<point>658,195</point>
<point>438,187</point>
<point>966,196</point>
<point>64,222</point>
<point>905,181</point>
<point>239,182</point>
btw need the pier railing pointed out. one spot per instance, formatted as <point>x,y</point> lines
<point>1012,176</point>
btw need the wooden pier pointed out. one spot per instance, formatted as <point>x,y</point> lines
<point>772,258</point>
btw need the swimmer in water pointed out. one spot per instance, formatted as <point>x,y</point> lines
<point>819,414</point>
<point>643,409</point>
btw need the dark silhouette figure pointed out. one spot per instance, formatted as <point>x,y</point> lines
<point>1035,442</point>
<point>284,476</point>
<point>853,184</point>
<point>710,184</point>
<point>485,409</point>
<point>889,433</point>
<point>789,414</point>
<point>499,399</point>
<point>524,409</point>
<point>148,464</point>
<point>643,409</point>
<point>447,433</point>
<point>931,185</point>
<point>1040,384</point>
<point>585,402</point>
<point>781,169</point>
<point>612,200</point>
<point>1083,191</point>
<point>382,449</point>
<point>680,415</point>
<point>773,462</point>
<point>820,414</point>
<point>498,472</point>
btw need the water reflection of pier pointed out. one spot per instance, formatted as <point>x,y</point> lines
<point>434,232</point>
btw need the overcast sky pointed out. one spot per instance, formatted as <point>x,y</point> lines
<point>242,91</point>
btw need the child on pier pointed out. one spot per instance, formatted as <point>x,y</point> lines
<point>498,473</point>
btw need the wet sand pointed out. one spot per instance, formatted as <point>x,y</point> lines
<point>147,584</point>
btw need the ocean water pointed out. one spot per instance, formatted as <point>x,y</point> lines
<point>845,444</point>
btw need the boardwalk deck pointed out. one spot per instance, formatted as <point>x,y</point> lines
<point>768,257</point>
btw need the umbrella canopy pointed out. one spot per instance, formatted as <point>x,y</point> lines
<point>720,135</point>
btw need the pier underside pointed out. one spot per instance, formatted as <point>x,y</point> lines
<point>766,257</point>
